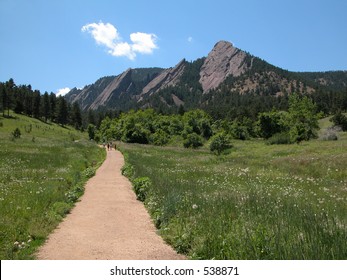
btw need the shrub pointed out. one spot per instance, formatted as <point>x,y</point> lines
<point>127,170</point>
<point>16,133</point>
<point>340,120</point>
<point>159,138</point>
<point>89,172</point>
<point>61,208</point>
<point>141,187</point>
<point>193,140</point>
<point>280,138</point>
<point>220,142</point>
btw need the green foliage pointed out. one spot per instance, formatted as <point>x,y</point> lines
<point>128,170</point>
<point>61,208</point>
<point>199,122</point>
<point>193,140</point>
<point>37,187</point>
<point>260,202</point>
<point>219,143</point>
<point>159,138</point>
<point>271,123</point>
<point>91,131</point>
<point>141,186</point>
<point>16,133</point>
<point>89,172</point>
<point>340,119</point>
<point>303,118</point>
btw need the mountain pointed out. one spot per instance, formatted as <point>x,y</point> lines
<point>212,82</point>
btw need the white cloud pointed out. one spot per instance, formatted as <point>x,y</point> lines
<point>190,39</point>
<point>143,42</point>
<point>104,34</point>
<point>108,36</point>
<point>62,91</point>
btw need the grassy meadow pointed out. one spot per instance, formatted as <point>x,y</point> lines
<point>257,202</point>
<point>42,174</point>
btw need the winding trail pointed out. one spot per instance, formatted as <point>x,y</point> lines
<point>108,223</point>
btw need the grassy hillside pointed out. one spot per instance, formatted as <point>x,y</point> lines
<point>41,176</point>
<point>259,202</point>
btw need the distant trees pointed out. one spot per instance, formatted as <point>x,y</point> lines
<point>300,123</point>
<point>286,118</point>
<point>48,107</point>
<point>340,119</point>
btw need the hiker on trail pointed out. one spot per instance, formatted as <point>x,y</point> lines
<point>108,146</point>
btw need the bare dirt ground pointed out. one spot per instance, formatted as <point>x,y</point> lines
<point>108,223</point>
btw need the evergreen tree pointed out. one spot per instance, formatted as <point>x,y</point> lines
<point>91,117</point>
<point>45,107</point>
<point>28,101</point>
<point>62,115</point>
<point>2,104</point>
<point>7,96</point>
<point>36,97</point>
<point>53,105</point>
<point>76,116</point>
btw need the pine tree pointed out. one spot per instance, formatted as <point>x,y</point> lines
<point>36,96</point>
<point>76,117</point>
<point>45,109</point>
<point>61,111</point>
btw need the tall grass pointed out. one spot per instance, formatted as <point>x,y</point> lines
<point>258,202</point>
<point>41,176</point>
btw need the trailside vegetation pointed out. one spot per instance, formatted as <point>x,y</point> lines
<point>256,202</point>
<point>43,168</point>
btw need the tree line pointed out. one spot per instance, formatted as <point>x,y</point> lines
<point>24,100</point>
<point>293,119</point>
<point>196,127</point>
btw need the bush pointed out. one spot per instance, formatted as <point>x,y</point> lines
<point>141,187</point>
<point>128,170</point>
<point>193,140</point>
<point>280,138</point>
<point>61,208</point>
<point>159,138</point>
<point>220,142</point>
<point>16,133</point>
<point>340,120</point>
<point>89,172</point>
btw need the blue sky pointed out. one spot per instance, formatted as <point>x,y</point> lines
<point>60,44</point>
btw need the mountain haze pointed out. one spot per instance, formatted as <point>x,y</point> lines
<point>209,80</point>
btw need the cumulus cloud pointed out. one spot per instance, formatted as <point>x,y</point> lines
<point>62,91</point>
<point>108,36</point>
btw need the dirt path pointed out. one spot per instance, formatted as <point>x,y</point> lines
<point>108,223</point>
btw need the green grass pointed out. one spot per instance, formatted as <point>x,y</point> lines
<point>258,202</point>
<point>41,175</point>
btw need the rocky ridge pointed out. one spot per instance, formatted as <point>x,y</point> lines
<point>225,70</point>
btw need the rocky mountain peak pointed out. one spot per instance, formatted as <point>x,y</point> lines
<point>223,60</point>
